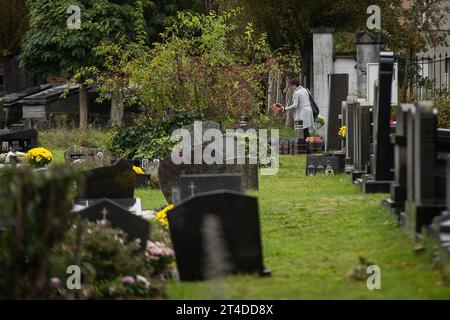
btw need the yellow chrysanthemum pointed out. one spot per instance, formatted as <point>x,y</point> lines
<point>39,156</point>
<point>138,170</point>
<point>342,131</point>
<point>161,216</point>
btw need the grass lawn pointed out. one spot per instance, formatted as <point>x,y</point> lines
<point>314,229</point>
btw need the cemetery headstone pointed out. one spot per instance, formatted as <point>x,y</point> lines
<point>422,204</point>
<point>350,137</point>
<point>88,158</point>
<point>132,205</point>
<point>22,141</point>
<point>398,187</point>
<point>380,178</point>
<point>362,135</point>
<point>215,234</point>
<point>338,93</point>
<point>169,172</point>
<point>205,125</point>
<point>116,181</point>
<point>190,185</point>
<point>134,226</point>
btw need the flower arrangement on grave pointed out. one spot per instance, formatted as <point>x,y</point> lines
<point>138,170</point>
<point>342,132</point>
<point>161,215</point>
<point>114,268</point>
<point>39,156</point>
<point>320,121</point>
<point>160,256</point>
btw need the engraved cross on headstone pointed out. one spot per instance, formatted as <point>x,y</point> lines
<point>192,186</point>
<point>104,212</point>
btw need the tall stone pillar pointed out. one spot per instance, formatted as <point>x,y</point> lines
<point>368,48</point>
<point>322,67</point>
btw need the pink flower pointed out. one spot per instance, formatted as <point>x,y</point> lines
<point>55,282</point>
<point>392,122</point>
<point>128,280</point>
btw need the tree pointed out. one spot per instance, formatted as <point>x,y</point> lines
<point>160,14</point>
<point>13,25</point>
<point>201,66</point>
<point>411,26</point>
<point>414,27</point>
<point>51,48</point>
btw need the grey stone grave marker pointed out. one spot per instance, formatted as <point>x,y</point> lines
<point>88,158</point>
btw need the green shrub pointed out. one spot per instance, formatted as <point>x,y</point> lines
<point>442,103</point>
<point>34,216</point>
<point>64,138</point>
<point>147,140</point>
<point>111,267</point>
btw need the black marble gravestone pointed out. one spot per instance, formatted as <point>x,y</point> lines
<point>216,234</point>
<point>191,185</point>
<point>116,182</point>
<point>396,202</point>
<point>134,226</point>
<point>338,93</point>
<point>350,116</point>
<point>422,203</point>
<point>380,178</point>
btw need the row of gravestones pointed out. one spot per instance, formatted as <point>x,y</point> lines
<point>409,160</point>
<point>214,226</point>
<point>420,191</point>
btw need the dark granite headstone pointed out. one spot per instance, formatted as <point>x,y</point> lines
<point>216,234</point>
<point>22,141</point>
<point>338,93</point>
<point>116,181</point>
<point>204,125</point>
<point>350,137</point>
<point>396,203</point>
<point>381,176</point>
<point>191,185</point>
<point>169,172</point>
<point>134,226</point>
<point>424,204</point>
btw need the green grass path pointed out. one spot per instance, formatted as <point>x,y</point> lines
<point>314,229</point>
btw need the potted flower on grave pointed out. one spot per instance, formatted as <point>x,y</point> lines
<point>342,133</point>
<point>39,157</point>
